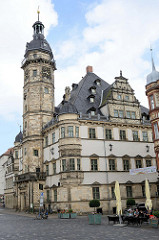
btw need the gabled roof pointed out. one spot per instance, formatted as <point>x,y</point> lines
<point>8,152</point>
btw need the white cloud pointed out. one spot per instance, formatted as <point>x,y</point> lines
<point>116,37</point>
<point>16,20</point>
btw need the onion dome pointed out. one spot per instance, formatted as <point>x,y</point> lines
<point>67,107</point>
<point>19,137</point>
<point>154,75</point>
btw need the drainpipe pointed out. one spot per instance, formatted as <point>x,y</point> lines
<point>107,179</point>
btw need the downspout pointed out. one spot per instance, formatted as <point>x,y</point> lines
<point>107,179</point>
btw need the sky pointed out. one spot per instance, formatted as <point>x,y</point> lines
<point>110,35</point>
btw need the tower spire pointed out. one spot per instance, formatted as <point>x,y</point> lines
<point>153,65</point>
<point>38,11</point>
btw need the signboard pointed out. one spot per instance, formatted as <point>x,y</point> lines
<point>137,171</point>
<point>41,199</point>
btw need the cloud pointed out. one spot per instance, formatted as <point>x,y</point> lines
<point>117,34</point>
<point>16,20</point>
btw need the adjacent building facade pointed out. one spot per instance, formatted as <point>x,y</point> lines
<point>75,152</point>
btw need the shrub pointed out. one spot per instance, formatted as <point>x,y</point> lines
<point>94,203</point>
<point>130,202</point>
<point>156,213</point>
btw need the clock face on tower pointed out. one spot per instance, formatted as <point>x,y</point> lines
<point>46,72</point>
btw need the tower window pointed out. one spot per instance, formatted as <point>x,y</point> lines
<point>35,152</point>
<point>34,73</point>
<point>46,90</point>
<point>152,102</point>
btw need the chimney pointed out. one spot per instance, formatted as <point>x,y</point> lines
<point>89,69</point>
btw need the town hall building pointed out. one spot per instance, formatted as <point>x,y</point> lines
<point>74,152</point>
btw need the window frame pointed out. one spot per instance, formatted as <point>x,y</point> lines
<point>76,131</point>
<point>64,166</point>
<point>55,195</point>
<point>70,132</point>
<point>135,135</point>
<point>138,165</point>
<point>129,192</point>
<point>94,164</point>
<point>34,72</point>
<point>148,162</point>
<point>54,168</point>
<point>46,141</point>
<point>126,167</point>
<point>35,152</point>
<point>72,164</point>
<point>78,164</point>
<point>96,193</point>
<point>112,164</point>
<point>92,133</point>
<point>108,134</point>
<point>122,134</point>
<point>116,114</point>
<point>53,137</point>
<point>144,138</point>
<point>62,132</point>
<point>47,170</point>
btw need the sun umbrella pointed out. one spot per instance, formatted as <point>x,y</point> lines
<point>118,198</point>
<point>148,203</point>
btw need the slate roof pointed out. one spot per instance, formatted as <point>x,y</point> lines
<point>80,94</point>
<point>67,107</point>
<point>19,137</point>
<point>38,43</point>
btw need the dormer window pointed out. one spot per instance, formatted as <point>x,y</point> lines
<point>91,99</point>
<point>98,82</point>
<point>92,112</point>
<point>93,90</point>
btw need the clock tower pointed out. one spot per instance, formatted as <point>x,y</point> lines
<point>38,108</point>
<point>38,96</point>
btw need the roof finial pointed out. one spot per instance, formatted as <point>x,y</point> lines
<point>120,73</point>
<point>153,65</point>
<point>38,11</point>
<point>20,128</point>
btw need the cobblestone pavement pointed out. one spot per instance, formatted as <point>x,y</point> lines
<point>15,227</point>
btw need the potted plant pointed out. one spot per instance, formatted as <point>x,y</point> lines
<point>94,218</point>
<point>72,213</point>
<point>64,214</point>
